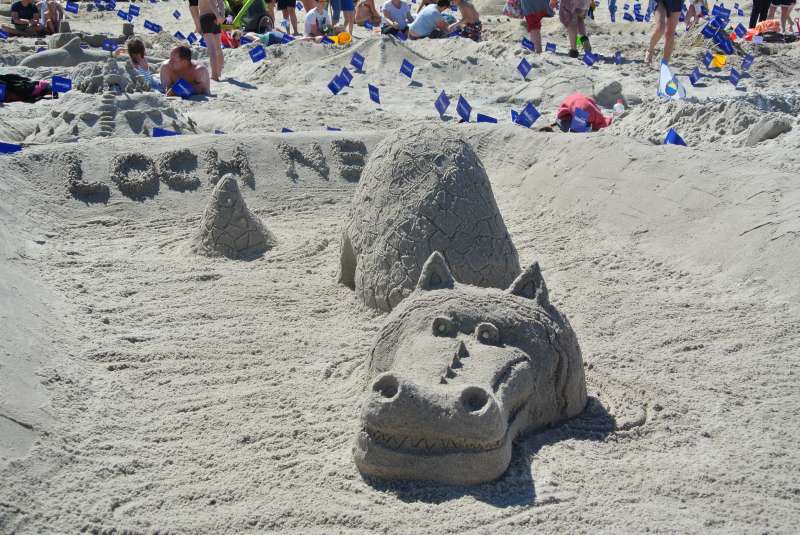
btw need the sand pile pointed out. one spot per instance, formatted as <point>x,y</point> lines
<point>109,76</point>
<point>228,228</point>
<point>423,190</point>
<point>736,123</point>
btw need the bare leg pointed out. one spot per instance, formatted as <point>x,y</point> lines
<point>293,19</point>
<point>658,32</point>
<point>572,36</point>
<point>786,19</point>
<point>669,38</point>
<point>771,12</point>
<point>349,19</point>
<point>194,10</point>
<point>214,54</point>
<point>536,39</point>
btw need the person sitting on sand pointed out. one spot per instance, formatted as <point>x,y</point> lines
<point>136,52</point>
<point>423,4</point>
<point>318,22</point>
<point>430,22</point>
<point>470,23</point>
<point>366,12</point>
<point>51,15</point>
<point>396,16</point>
<point>24,20</point>
<point>180,66</point>
<point>595,117</point>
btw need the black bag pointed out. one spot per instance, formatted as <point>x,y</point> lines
<point>19,88</point>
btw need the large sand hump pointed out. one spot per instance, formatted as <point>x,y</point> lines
<point>423,190</point>
<point>229,228</point>
<point>69,55</point>
<point>459,371</point>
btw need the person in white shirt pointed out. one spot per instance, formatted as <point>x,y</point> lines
<point>396,16</point>
<point>318,22</point>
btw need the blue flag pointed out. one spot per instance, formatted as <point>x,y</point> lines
<point>407,68</point>
<point>725,45</point>
<point>179,36</point>
<point>618,58</point>
<point>285,130</point>
<point>202,42</point>
<point>486,118</point>
<point>550,47</point>
<point>709,31</point>
<point>9,148</point>
<point>133,10</point>
<point>463,109</point>
<point>336,85</point>
<point>673,138</point>
<point>357,61</point>
<point>286,39</point>
<point>109,45</point>
<point>2,93</point>
<point>740,12</point>
<point>182,88</point>
<point>257,53</point>
<point>331,128</point>
<point>626,7</point>
<point>368,25</point>
<point>580,121</point>
<point>152,26</point>
<point>734,77</point>
<point>299,6</point>
<point>747,62</point>
<point>524,68</point>
<point>245,40</point>
<point>528,115</point>
<point>708,57</point>
<point>3,35</point>
<point>589,58</point>
<point>442,103</point>
<point>191,38</point>
<point>163,132</point>
<point>326,40</point>
<point>639,17</point>
<point>374,94</point>
<point>72,7</point>
<point>740,30</point>
<point>61,84</point>
<point>527,43</point>
<point>346,76</point>
<point>176,14</point>
<point>401,36</point>
<point>695,76</point>
<point>218,132</point>
<point>628,17</point>
<point>122,14</point>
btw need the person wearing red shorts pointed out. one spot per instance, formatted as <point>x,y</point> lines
<point>534,11</point>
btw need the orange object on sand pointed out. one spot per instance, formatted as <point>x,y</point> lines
<point>771,25</point>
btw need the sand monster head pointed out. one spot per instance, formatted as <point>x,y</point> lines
<point>459,371</point>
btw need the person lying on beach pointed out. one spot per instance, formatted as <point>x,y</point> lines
<point>366,12</point>
<point>24,20</point>
<point>470,24</point>
<point>180,66</point>
<point>396,16</point>
<point>136,52</point>
<point>430,22</point>
<point>268,38</point>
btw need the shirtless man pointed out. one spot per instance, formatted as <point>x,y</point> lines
<point>470,22</point>
<point>180,66</point>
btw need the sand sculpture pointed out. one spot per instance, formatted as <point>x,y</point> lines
<point>177,169</point>
<point>228,228</point>
<point>134,174</point>
<point>69,55</point>
<point>99,77</point>
<point>238,165</point>
<point>423,190</point>
<point>458,372</point>
<point>79,187</point>
<point>350,154</point>
<point>312,158</point>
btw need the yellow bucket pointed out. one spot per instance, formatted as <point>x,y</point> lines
<point>342,39</point>
<point>719,60</point>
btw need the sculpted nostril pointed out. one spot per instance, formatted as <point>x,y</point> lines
<point>387,386</point>
<point>474,398</point>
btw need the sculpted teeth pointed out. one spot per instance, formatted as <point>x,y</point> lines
<point>428,445</point>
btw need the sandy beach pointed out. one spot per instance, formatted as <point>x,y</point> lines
<point>149,386</point>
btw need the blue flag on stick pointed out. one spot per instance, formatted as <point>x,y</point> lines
<point>407,68</point>
<point>695,76</point>
<point>580,121</point>
<point>179,36</point>
<point>357,61</point>
<point>109,45</point>
<point>550,47</point>
<point>285,130</point>
<point>618,58</point>
<point>336,85</point>
<point>442,103</point>
<point>486,118</point>
<point>191,38</point>
<point>182,88</point>
<point>708,58</point>
<point>747,62</point>
<point>374,94</point>
<point>163,132</point>
<point>152,26</point>
<point>527,43</point>
<point>133,10</point>
<point>257,53</point>
<point>346,76</point>
<point>528,115</point>
<point>72,7</point>
<point>734,77</point>
<point>176,14</point>
<point>2,93</point>
<point>463,109</point>
<point>524,68</point>
<point>61,84</point>
<point>9,148</point>
<point>673,138</point>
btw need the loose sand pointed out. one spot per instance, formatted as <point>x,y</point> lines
<point>145,388</point>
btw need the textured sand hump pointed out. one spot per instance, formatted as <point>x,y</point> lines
<point>458,372</point>
<point>99,77</point>
<point>423,190</point>
<point>228,228</point>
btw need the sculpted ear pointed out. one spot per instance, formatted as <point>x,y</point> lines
<point>530,285</point>
<point>435,274</point>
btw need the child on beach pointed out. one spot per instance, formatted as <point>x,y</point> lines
<point>396,16</point>
<point>136,52</point>
<point>573,14</point>
<point>318,22</point>
<point>367,12</point>
<point>212,15</point>
<point>534,11</point>
<point>470,24</point>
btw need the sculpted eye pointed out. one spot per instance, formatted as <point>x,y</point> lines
<point>486,333</point>
<point>444,327</point>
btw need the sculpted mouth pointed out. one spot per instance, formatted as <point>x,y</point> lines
<point>430,445</point>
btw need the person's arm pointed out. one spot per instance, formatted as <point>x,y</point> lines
<point>409,16</point>
<point>388,16</point>
<point>203,81</point>
<point>16,19</point>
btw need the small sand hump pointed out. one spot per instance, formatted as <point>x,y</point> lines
<point>423,190</point>
<point>228,228</point>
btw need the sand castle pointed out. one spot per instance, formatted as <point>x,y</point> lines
<point>69,55</point>
<point>97,77</point>
<point>423,190</point>
<point>228,228</point>
<point>458,372</point>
